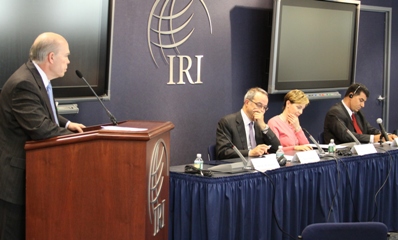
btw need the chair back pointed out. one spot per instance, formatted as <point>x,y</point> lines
<point>320,138</point>
<point>211,152</point>
<point>346,231</point>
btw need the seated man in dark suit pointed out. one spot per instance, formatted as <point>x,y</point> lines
<point>247,129</point>
<point>348,111</point>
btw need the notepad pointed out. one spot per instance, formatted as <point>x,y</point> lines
<point>121,128</point>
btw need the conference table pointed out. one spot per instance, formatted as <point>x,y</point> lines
<point>280,203</point>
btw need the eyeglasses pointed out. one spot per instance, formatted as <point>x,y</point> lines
<point>260,105</point>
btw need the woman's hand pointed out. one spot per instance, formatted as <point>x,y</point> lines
<point>294,121</point>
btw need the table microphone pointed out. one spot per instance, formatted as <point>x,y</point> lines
<point>281,160</point>
<point>321,153</point>
<point>383,131</point>
<point>244,160</point>
<point>111,117</point>
<point>357,142</point>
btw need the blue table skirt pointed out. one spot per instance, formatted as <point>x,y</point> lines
<point>254,206</point>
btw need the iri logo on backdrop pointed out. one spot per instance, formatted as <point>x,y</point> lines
<point>157,170</point>
<point>170,25</point>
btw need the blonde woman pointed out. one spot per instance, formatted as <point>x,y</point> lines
<point>286,125</point>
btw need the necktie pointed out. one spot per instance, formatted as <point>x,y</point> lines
<point>252,135</point>
<point>356,126</point>
<point>50,95</point>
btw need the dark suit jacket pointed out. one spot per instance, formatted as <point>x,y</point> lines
<point>25,114</point>
<point>334,129</point>
<point>233,126</point>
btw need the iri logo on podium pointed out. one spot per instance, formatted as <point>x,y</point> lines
<point>158,167</point>
<point>169,27</point>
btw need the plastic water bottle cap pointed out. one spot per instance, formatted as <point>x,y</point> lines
<point>199,155</point>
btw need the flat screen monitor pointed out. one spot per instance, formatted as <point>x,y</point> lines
<point>86,25</point>
<point>313,45</point>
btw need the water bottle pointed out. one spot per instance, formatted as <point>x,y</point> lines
<point>331,147</point>
<point>198,163</point>
<point>280,152</point>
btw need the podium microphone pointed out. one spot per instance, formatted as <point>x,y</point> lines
<point>383,131</point>
<point>111,117</point>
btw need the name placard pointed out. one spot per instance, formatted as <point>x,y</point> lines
<point>306,157</point>
<point>363,149</point>
<point>395,142</point>
<point>268,162</point>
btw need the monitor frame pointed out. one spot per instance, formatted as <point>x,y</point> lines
<point>276,85</point>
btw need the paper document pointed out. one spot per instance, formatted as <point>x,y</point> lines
<point>268,162</point>
<point>325,146</point>
<point>289,158</point>
<point>120,128</point>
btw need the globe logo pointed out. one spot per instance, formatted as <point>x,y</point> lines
<point>158,167</point>
<point>169,27</point>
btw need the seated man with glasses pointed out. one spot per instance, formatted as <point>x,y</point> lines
<point>246,129</point>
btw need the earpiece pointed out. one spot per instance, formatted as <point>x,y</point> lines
<point>352,94</point>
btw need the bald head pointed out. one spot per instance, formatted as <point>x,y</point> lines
<point>44,44</point>
<point>50,51</point>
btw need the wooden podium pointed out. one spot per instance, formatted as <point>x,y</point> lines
<point>100,184</point>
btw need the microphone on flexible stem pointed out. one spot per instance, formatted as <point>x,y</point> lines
<point>357,142</point>
<point>111,117</point>
<point>247,164</point>
<point>244,160</point>
<point>383,131</point>
<point>320,150</point>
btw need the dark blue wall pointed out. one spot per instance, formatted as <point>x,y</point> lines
<point>234,59</point>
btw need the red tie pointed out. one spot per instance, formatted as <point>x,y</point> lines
<point>356,126</point>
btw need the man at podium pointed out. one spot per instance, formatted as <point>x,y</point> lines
<point>28,112</point>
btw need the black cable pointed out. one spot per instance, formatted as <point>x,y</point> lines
<point>377,192</point>
<point>337,187</point>
<point>384,183</point>
<point>273,205</point>
<point>351,197</point>
<point>335,194</point>
<point>196,171</point>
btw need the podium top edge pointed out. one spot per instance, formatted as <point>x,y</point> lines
<point>153,129</point>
